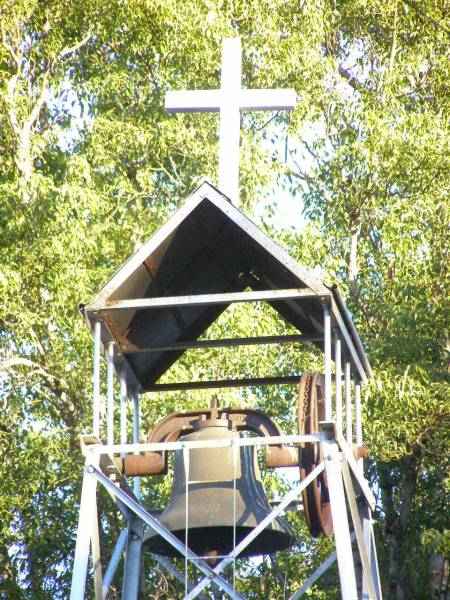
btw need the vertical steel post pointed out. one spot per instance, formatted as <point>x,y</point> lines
<point>348,402</point>
<point>230,118</point>
<point>338,382</point>
<point>136,425</point>
<point>87,514</point>
<point>132,567</point>
<point>327,357</point>
<point>340,522</point>
<point>96,380</point>
<point>123,410</point>
<point>358,422</point>
<point>369,541</point>
<point>110,383</point>
<point>114,561</point>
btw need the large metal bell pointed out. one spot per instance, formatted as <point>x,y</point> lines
<point>215,503</point>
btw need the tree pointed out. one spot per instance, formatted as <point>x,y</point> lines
<point>91,165</point>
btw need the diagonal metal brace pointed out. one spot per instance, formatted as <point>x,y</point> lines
<point>257,530</point>
<point>134,506</point>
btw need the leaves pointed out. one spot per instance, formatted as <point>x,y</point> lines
<point>92,165</point>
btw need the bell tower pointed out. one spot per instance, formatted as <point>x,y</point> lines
<point>159,304</point>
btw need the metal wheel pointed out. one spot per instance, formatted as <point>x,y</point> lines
<point>311,410</point>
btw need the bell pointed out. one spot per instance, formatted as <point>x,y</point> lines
<point>215,503</point>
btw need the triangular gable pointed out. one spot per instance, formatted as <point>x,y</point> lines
<point>207,247</point>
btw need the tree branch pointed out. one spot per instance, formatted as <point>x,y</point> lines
<point>352,80</point>
<point>71,49</point>
<point>422,13</point>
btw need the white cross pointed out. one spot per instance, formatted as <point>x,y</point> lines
<point>229,100</point>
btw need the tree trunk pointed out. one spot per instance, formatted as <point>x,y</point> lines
<point>397,514</point>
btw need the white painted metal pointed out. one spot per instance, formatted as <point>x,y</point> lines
<point>132,567</point>
<point>86,518</point>
<point>230,119</point>
<point>351,500</point>
<point>207,299</point>
<point>349,456</point>
<point>327,359</point>
<point>340,523</point>
<point>140,512</point>
<point>290,496</point>
<point>317,573</point>
<point>136,425</point>
<point>229,101</point>
<point>348,403</point>
<point>349,343</point>
<point>96,379</point>
<point>369,542</point>
<point>151,245</point>
<point>114,562</point>
<point>110,393</point>
<point>123,410</point>
<point>225,443</point>
<point>96,555</point>
<point>358,423</point>
<point>171,568</point>
<point>338,382</point>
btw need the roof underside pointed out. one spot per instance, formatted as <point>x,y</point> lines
<point>206,252</point>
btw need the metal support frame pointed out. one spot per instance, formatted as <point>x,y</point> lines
<point>224,383</point>
<point>207,299</point>
<point>340,523</point>
<point>338,381</point>
<point>123,409</point>
<point>340,466</point>
<point>348,402</point>
<point>110,393</point>
<point>136,423</point>
<point>87,531</point>
<point>147,518</point>
<point>96,379</point>
<point>114,561</point>
<point>132,566</point>
<point>317,574</point>
<point>222,343</point>
<point>327,358</point>
<point>358,422</point>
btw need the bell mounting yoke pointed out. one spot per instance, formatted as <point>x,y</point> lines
<point>170,428</point>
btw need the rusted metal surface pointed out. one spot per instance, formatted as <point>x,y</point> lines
<point>149,463</point>
<point>311,410</point>
<point>226,500</point>
<point>170,428</point>
<point>223,383</point>
<point>206,299</point>
<point>222,343</point>
<point>207,248</point>
<point>361,452</point>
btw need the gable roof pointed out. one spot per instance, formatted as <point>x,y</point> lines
<point>207,247</point>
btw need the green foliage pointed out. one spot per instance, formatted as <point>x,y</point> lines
<point>91,164</point>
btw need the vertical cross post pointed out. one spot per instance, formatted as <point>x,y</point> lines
<point>230,100</point>
<point>230,118</point>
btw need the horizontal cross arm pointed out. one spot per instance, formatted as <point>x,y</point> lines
<point>193,101</point>
<point>267,99</point>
